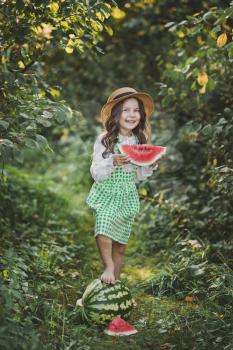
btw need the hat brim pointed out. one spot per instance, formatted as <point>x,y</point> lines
<point>144,97</point>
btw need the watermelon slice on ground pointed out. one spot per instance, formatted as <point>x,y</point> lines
<point>142,154</point>
<point>118,326</point>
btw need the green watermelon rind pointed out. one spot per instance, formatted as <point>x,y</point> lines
<point>91,287</point>
<point>94,288</point>
<point>144,164</point>
<point>93,302</point>
<point>106,289</point>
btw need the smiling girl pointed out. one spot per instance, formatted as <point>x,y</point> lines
<point>113,195</point>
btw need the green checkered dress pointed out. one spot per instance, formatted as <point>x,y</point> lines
<point>116,203</point>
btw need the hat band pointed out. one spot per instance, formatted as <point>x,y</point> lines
<point>124,94</point>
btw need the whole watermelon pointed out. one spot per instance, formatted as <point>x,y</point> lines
<point>101,302</point>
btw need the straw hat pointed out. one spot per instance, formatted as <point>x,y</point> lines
<point>122,94</point>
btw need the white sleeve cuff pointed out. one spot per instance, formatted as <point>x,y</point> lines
<point>144,172</point>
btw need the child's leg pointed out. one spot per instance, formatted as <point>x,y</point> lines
<point>104,244</point>
<point>118,250</point>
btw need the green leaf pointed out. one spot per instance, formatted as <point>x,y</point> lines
<point>108,29</point>
<point>96,25</point>
<point>100,16</point>
<point>30,143</point>
<point>46,123</point>
<point>207,130</point>
<point>216,29</point>
<point>194,85</point>
<point>31,126</point>
<point>59,116</point>
<point>42,141</point>
<point>230,50</point>
<point>105,9</point>
<point>4,124</point>
<point>62,113</point>
<point>26,116</point>
<point>18,154</point>
<point>6,142</point>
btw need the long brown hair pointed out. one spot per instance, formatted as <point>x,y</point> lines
<point>112,127</point>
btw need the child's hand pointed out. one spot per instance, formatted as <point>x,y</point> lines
<point>156,163</point>
<point>120,159</point>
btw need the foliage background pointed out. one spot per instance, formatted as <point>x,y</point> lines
<point>59,63</point>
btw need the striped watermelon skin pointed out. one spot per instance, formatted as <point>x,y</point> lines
<point>102,302</point>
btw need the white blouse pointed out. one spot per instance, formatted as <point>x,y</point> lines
<point>101,167</point>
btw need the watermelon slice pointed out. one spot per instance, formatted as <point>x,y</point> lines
<point>142,154</point>
<point>118,326</point>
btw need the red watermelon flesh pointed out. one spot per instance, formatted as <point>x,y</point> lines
<point>118,326</point>
<point>142,154</point>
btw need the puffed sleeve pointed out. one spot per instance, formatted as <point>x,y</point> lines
<point>144,172</point>
<point>101,167</point>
